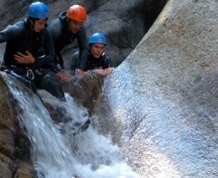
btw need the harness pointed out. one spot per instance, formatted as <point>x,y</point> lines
<point>30,74</point>
<point>27,72</point>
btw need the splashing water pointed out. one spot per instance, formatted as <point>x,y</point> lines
<point>57,154</point>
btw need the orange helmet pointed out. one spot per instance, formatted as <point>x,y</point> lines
<point>77,12</point>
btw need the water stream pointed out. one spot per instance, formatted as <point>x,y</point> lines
<point>58,154</point>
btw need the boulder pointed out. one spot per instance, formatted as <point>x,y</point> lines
<point>164,95</point>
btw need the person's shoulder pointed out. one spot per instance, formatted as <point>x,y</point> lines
<point>58,24</point>
<point>15,28</point>
<point>60,20</point>
<point>46,31</point>
<point>82,31</point>
<point>55,27</point>
<point>17,25</point>
<point>54,23</point>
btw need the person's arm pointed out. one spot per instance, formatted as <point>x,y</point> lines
<point>105,69</point>
<point>55,29</point>
<point>83,48</point>
<point>50,58</point>
<point>10,32</point>
<point>107,62</point>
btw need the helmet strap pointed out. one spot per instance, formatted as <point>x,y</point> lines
<point>31,22</point>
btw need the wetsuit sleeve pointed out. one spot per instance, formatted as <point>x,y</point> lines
<point>83,48</point>
<point>107,62</point>
<point>55,31</point>
<point>9,32</point>
<point>49,54</point>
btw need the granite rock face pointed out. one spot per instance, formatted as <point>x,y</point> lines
<point>164,95</point>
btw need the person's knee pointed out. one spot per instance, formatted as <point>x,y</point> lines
<point>51,84</point>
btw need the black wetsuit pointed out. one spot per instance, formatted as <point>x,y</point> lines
<point>92,62</point>
<point>61,37</point>
<point>20,38</point>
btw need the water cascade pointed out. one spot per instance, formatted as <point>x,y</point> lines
<point>55,151</point>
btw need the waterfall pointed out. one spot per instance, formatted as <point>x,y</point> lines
<point>55,151</point>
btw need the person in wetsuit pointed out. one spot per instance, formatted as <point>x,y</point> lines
<point>65,29</point>
<point>97,59</point>
<point>29,52</point>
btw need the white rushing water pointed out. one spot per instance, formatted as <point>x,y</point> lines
<point>58,154</point>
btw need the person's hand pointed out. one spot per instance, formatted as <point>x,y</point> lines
<point>24,58</point>
<point>79,72</point>
<point>63,76</point>
<point>108,70</point>
<point>103,72</point>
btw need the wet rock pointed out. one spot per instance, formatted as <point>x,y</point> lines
<point>165,94</point>
<point>9,133</point>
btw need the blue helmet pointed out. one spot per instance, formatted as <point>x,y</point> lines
<point>99,38</point>
<point>38,10</point>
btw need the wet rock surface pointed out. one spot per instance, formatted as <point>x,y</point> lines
<point>165,94</point>
<point>14,147</point>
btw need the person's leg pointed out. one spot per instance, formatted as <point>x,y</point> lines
<point>22,78</point>
<point>52,84</point>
